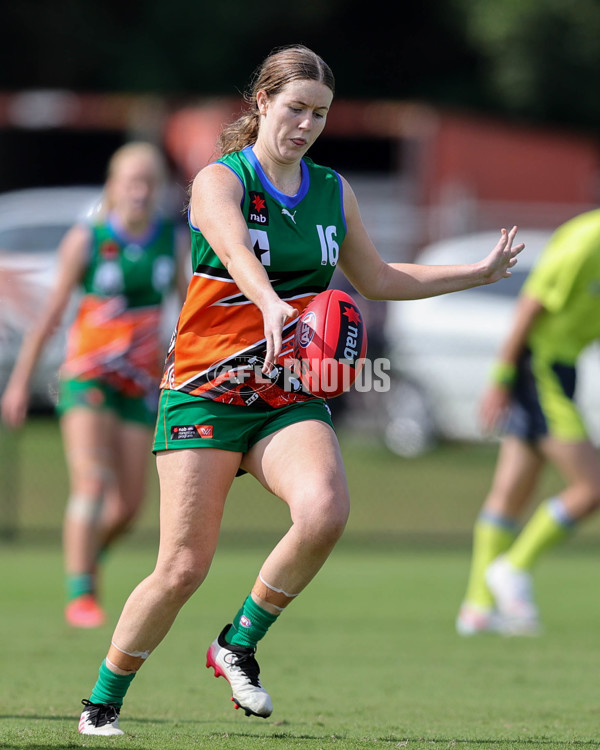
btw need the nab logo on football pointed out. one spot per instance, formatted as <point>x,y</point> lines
<point>349,345</point>
<point>258,212</point>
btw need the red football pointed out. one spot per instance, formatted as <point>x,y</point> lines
<point>330,343</point>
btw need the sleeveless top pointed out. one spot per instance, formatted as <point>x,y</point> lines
<point>116,333</point>
<point>218,346</point>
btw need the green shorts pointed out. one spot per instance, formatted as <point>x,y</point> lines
<point>96,394</point>
<point>193,422</point>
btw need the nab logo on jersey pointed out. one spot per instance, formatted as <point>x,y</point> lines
<point>258,212</point>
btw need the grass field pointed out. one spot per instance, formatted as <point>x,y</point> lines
<point>366,657</point>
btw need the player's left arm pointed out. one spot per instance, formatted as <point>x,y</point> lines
<point>375,279</point>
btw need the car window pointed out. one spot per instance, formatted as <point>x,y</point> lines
<point>32,239</point>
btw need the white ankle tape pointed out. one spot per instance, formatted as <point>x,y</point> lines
<point>273,588</point>
<point>135,654</point>
<point>82,507</point>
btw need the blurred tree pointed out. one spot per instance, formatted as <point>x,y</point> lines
<point>196,46</point>
<point>541,58</point>
<point>538,59</point>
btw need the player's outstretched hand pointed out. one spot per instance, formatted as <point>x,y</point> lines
<point>275,317</point>
<point>503,257</point>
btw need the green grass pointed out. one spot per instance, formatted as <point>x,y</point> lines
<point>367,657</point>
<point>435,496</point>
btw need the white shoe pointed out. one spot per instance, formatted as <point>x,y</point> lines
<point>513,590</point>
<point>239,667</point>
<point>473,619</point>
<point>100,719</point>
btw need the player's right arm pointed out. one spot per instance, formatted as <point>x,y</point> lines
<point>73,256</point>
<point>215,210</point>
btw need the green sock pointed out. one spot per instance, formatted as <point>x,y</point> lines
<point>492,535</point>
<point>110,687</point>
<point>549,525</point>
<point>250,624</point>
<point>77,585</point>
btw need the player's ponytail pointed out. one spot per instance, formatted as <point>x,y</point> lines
<point>240,133</point>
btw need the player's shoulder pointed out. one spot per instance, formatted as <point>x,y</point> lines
<point>82,232</point>
<point>586,221</point>
<point>576,235</point>
<point>216,176</point>
<point>320,169</point>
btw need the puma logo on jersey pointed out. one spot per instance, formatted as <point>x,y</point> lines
<point>285,212</point>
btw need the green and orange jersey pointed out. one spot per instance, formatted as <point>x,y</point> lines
<point>219,345</point>
<point>116,333</point>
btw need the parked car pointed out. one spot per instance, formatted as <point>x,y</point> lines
<point>32,225</point>
<point>445,346</point>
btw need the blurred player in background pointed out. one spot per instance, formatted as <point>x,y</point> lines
<point>531,399</point>
<point>125,260</point>
<point>268,228</point>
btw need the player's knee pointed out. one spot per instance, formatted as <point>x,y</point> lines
<point>337,516</point>
<point>325,520</point>
<point>183,576</point>
<point>333,528</point>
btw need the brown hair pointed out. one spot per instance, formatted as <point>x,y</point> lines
<point>283,65</point>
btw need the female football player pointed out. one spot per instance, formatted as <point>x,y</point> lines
<point>124,260</point>
<point>268,228</point>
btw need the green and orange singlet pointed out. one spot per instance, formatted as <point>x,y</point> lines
<point>219,345</point>
<point>116,333</point>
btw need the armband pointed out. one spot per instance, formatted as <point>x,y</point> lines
<point>504,374</point>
